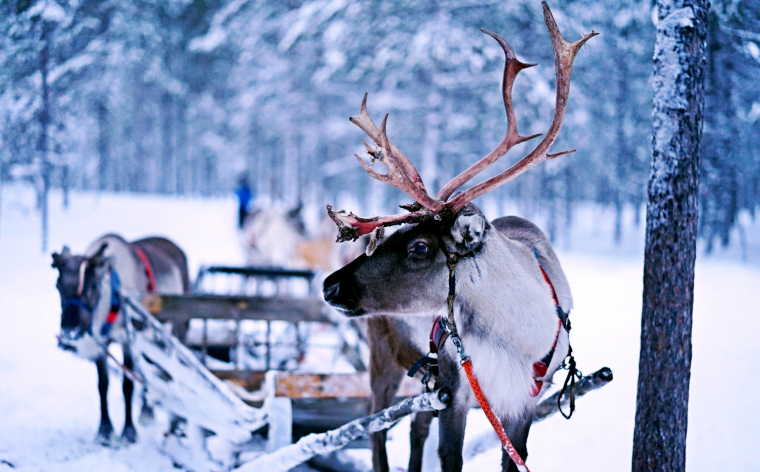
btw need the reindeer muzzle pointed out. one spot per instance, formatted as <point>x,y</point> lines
<point>343,295</point>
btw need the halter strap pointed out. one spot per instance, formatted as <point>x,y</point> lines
<point>115,307</point>
<point>151,287</point>
<point>82,270</point>
<point>76,301</point>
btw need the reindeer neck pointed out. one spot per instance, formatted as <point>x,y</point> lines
<point>503,300</point>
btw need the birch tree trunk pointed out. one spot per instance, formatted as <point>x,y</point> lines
<point>665,361</point>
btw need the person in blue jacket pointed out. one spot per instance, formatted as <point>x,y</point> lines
<point>244,195</point>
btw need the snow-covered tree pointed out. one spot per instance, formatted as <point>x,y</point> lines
<point>662,403</point>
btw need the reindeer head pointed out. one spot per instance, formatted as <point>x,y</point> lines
<point>407,272</point>
<point>79,285</point>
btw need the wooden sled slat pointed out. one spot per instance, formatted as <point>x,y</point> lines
<point>180,308</point>
<point>298,385</point>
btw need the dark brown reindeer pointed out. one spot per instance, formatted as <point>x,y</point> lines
<point>511,298</point>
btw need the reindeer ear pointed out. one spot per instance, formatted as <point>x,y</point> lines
<point>468,231</point>
<point>58,258</point>
<point>97,259</point>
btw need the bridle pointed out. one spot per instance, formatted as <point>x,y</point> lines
<point>114,307</point>
<point>76,300</point>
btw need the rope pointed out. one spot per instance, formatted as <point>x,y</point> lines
<point>128,372</point>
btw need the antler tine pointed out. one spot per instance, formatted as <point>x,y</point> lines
<point>350,226</point>
<point>363,121</point>
<point>564,54</point>
<point>512,67</point>
<point>401,173</point>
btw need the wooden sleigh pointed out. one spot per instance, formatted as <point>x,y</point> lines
<point>296,403</point>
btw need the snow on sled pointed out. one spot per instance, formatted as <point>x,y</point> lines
<point>239,324</point>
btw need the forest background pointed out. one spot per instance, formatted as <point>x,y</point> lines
<point>186,96</point>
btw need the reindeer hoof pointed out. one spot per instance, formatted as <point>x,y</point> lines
<point>105,435</point>
<point>129,435</point>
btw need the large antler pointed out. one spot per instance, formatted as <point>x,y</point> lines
<point>564,54</point>
<point>403,175</point>
<point>401,172</point>
<point>512,67</point>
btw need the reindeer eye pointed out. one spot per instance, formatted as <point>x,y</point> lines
<point>420,249</point>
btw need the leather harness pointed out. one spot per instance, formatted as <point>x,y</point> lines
<point>439,335</point>
<point>115,306</point>
<point>446,328</point>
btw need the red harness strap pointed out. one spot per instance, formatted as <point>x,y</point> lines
<point>540,367</point>
<point>546,277</point>
<point>506,444</point>
<point>539,371</point>
<point>148,269</point>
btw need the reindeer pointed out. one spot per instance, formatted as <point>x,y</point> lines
<point>275,237</point>
<point>501,283</point>
<point>91,285</point>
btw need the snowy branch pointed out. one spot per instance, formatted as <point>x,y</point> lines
<point>307,447</point>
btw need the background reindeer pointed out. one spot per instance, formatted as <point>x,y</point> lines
<point>89,286</point>
<point>273,236</point>
<point>511,294</point>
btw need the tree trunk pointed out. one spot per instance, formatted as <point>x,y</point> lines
<point>101,110</point>
<point>65,185</point>
<point>166,173</point>
<point>44,120</point>
<point>625,155</point>
<point>665,361</point>
<point>183,178</point>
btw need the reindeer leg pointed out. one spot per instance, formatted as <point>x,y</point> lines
<point>451,420</point>
<point>417,435</point>
<point>517,431</point>
<point>384,377</point>
<point>129,435</point>
<point>106,429</point>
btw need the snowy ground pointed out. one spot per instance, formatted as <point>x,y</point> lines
<point>48,398</point>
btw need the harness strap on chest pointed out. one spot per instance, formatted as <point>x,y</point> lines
<point>115,307</point>
<point>151,287</point>
<point>450,326</point>
<point>541,367</point>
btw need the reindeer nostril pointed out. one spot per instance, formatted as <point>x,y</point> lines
<point>331,292</point>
